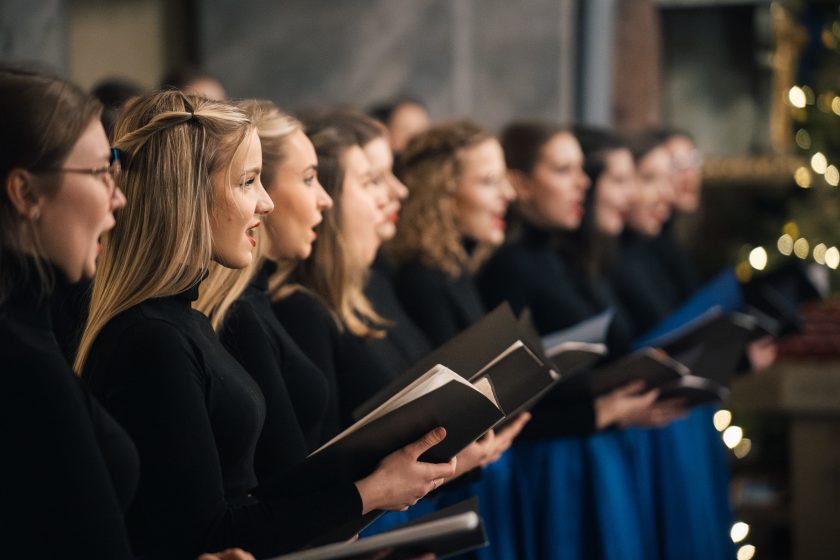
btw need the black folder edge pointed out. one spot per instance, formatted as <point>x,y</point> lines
<point>465,524</point>
<point>592,330</point>
<point>493,321</point>
<point>694,390</point>
<point>663,370</point>
<point>500,322</point>
<point>357,454</point>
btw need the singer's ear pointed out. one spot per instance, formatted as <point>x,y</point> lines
<point>21,190</point>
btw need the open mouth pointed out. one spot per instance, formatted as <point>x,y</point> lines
<point>251,234</point>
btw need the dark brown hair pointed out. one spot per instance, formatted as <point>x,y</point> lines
<point>41,118</point>
<point>523,142</point>
<point>363,128</point>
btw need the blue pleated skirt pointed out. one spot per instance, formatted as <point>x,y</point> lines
<point>692,489</point>
<point>551,484</point>
<point>497,501</point>
<point>618,489</point>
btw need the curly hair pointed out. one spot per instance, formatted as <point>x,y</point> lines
<point>430,167</point>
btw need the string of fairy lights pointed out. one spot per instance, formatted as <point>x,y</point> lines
<point>817,172</point>
<point>733,438</point>
<point>791,242</point>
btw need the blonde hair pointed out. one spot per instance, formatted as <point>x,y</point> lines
<point>223,286</point>
<point>162,242</point>
<point>430,167</point>
<point>330,273</point>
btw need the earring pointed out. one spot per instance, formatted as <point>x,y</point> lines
<point>35,215</point>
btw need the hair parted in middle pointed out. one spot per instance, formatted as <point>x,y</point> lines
<point>331,273</point>
<point>223,285</point>
<point>162,243</point>
<point>430,167</point>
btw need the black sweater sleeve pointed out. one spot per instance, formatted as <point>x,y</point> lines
<point>345,357</point>
<point>57,493</point>
<point>158,397</point>
<point>281,444</point>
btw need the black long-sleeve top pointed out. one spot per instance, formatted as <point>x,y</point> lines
<point>643,284</point>
<point>68,469</point>
<point>404,343</point>
<point>440,305</point>
<point>530,272</point>
<point>299,390</point>
<point>676,262</point>
<point>195,416</point>
<point>353,371</point>
<point>540,272</point>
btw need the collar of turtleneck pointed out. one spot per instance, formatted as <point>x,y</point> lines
<point>29,299</point>
<point>190,294</point>
<point>263,275</point>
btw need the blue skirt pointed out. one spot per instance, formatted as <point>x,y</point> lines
<point>619,490</point>
<point>394,519</point>
<point>551,484</point>
<point>497,505</point>
<point>692,489</point>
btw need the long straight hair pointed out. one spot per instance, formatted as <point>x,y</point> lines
<point>223,286</point>
<point>331,273</point>
<point>162,243</point>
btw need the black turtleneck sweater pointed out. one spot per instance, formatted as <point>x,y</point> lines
<point>441,305</point>
<point>195,416</point>
<point>68,470</point>
<point>297,393</point>
<point>353,372</point>
<point>544,272</point>
<point>404,343</point>
<point>643,283</point>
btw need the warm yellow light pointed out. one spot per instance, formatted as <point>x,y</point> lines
<point>832,258</point>
<point>802,177</point>
<point>819,163</point>
<point>785,244</point>
<point>819,253</point>
<point>743,448</point>
<point>746,552</point>
<point>832,176</point>
<point>791,228</point>
<point>722,419</point>
<point>835,105</point>
<point>803,138</point>
<point>758,258</point>
<point>732,436</point>
<point>796,96</point>
<point>801,248</point>
<point>739,531</point>
<point>743,271</point>
<point>809,95</point>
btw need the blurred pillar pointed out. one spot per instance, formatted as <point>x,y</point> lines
<point>636,87</point>
<point>598,26</point>
<point>567,35</point>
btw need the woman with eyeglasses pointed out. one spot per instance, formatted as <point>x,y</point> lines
<point>69,471</point>
<point>192,178</point>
